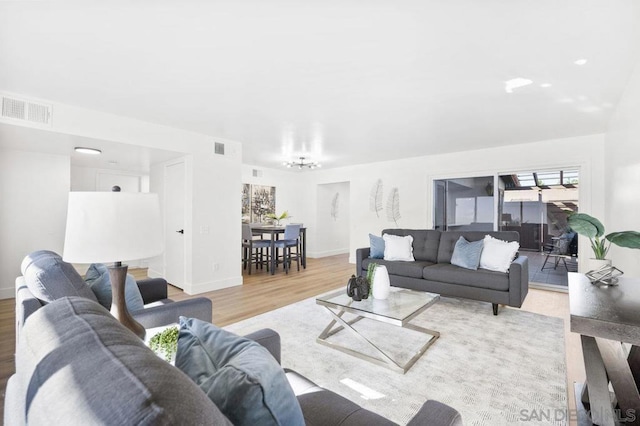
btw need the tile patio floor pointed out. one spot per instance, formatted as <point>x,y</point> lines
<point>557,276</point>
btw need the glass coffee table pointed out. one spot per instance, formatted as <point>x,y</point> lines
<point>398,309</point>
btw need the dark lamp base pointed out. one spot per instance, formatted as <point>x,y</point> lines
<point>118,275</point>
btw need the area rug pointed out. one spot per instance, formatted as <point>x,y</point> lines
<point>495,370</point>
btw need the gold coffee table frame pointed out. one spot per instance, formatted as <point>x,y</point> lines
<point>399,309</point>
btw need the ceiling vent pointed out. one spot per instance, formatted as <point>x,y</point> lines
<point>26,111</point>
<point>219,148</point>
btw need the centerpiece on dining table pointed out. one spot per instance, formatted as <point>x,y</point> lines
<point>277,219</point>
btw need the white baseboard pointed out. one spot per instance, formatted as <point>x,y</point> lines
<point>326,253</point>
<point>213,285</point>
<point>154,274</point>
<point>7,293</point>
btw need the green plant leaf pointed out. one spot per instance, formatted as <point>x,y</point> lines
<point>165,343</point>
<point>628,239</point>
<point>586,225</point>
<point>284,215</point>
<point>599,247</point>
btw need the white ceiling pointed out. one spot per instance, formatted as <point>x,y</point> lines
<point>343,82</point>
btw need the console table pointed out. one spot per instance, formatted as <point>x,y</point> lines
<point>606,317</point>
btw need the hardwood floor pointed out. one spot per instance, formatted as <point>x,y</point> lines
<point>262,292</point>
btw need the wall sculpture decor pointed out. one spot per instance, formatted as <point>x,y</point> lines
<point>393,206</point>
<point>335,206</point>
<point>375,198</point>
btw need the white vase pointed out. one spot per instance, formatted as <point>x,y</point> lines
<point>381,285</point>
<point>595,264</point>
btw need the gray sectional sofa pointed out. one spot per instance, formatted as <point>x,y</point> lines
<point>432,270</point>
<point>76,364</point>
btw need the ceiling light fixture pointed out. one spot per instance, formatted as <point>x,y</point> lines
<point>301,163</point>
<point>580,62</point>
<point>515,83</point>
<point>90,151</point>
<point>545,85</point>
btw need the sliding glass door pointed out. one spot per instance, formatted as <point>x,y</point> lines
<point>535,204</point>
<point>464,204</point>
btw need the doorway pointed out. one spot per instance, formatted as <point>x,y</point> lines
<point>537,204</point>
<point>464,204</point>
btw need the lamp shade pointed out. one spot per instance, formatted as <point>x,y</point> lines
<point>112,227</point>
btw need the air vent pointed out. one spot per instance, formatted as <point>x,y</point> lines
<point>219,148</point>
<point>26,111</point>
<point>257,173</point>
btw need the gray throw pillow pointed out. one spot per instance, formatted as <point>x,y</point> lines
<point>241,377</point>
<point>376,245</point>
<point>49,278</point>
<point>467,254</point>
<point>98,279</point>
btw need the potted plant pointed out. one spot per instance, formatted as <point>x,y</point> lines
<point>165,343</point>
<point>276,219</point>
<point>593,229</point>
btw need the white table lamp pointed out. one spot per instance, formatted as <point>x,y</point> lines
<point>105,227</point>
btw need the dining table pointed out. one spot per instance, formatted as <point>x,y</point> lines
<point>274,231</point>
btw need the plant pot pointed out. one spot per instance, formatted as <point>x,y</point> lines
<point>381,285</point>
<point>595,264</point>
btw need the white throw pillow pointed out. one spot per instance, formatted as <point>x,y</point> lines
<point>398,248</point>
<point>497,255</point>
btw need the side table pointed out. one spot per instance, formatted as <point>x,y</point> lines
<point>606,317</point>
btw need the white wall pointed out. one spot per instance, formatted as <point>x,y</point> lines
<point>212,241</point>
<point>292,191</point>
<point>299,194</point>
<point>622,160</point>
<point>414,179</point>
<point>87,178</point>
<point>332,233</point>
<point>216,206</point>
<point>34,192</point>
<point>215,189</point>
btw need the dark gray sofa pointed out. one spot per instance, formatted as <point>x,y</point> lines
<point>76,364</point>
<point>432,270</point>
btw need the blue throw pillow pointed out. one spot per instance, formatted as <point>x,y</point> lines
<point>240,376</point>
<point>97,277</point>
<point>467,254</point>
<point>377,247</point>
<point>50,278</point>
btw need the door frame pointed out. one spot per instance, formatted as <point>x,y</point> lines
<point>184,201</point>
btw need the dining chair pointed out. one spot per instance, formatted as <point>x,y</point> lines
<point>290,240</point>
<point>253,250</point>
<point>558,250</point>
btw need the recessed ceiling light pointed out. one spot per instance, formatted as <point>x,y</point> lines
<point>545,85</point>
<point>90,151</point>
<point>580,62</point>
<point>514,83</point>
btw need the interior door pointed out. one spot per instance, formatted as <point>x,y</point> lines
<point>174,209</point>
